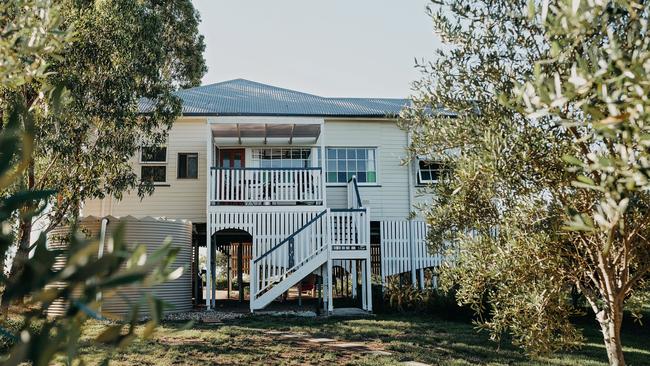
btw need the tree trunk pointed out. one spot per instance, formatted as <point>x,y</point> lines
<point>22,253</point>
<point>24,236</point>
<point>610,325</point>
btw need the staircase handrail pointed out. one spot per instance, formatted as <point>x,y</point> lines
<point>355,191</point>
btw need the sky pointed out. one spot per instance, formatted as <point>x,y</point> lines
<point>344,48</point>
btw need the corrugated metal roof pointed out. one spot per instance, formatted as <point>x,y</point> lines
<point>242,97</point>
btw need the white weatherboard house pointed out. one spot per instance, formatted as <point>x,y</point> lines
<point>287,184</point>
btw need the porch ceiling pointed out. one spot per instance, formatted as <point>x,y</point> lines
<point>266,133</point>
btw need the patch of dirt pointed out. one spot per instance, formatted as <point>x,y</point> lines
<point>170,341</point>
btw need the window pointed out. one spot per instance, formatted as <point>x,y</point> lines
<point>282,158</point>
<point>343,163</point>
<point>188,165</point>
<point>153,173</point>
<point>153,160</point>
<point>429,171</point>
<point>153,154</point>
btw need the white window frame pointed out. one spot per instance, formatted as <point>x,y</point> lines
<point>164,182</point>
<point>424,182</point>
<point>364,184</point>
<point>255,161</point>
<point>178,164</point>
<point>164,164</point>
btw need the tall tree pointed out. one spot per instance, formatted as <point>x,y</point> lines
<point>546,191</point>
<point>122,51</point>
<point>30,34</point>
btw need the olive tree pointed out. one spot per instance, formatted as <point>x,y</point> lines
<point>545,197</point>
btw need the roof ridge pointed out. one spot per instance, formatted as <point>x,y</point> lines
<point>367,98</point>
<point>255,83</point>
<point>281,88</point>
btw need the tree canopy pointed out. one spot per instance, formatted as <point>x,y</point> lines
<point>545,199</point>
<point>31,33</point>
<point>123,51</point>
<point>119,52</point>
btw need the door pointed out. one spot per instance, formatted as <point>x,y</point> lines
<point>231,180</point>
<point>232,158</point>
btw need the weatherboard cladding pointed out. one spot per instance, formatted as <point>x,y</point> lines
<point>241,97</point>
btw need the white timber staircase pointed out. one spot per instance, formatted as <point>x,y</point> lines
<point>332,234</point>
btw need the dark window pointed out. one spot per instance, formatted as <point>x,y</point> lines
<point>429,171</point>
<point>188,165</point>
<point>153,173</point>
<point>154,154</point>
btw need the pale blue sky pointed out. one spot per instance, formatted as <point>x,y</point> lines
<point>348,48</point>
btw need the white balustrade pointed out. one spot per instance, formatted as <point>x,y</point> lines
<point>349,229</point>
<point>266,186</point>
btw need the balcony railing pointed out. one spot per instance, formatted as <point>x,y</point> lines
<point>260,186</point>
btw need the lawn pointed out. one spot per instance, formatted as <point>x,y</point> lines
<point>279,340</point>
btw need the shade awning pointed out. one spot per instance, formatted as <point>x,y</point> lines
<point>267,133</point>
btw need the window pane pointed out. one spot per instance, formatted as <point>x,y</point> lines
<point>331,153</point>
<point>193,166</point>
<point>341,177</point>
<point>154,154</point>
<point>341,165</point>
<point>435,175</point>
<point>331,165</point>
<point>331,177</point>
<point>371,165</point>
<point>371,177</point>
<point>182,165</point>
<point>426,175</point>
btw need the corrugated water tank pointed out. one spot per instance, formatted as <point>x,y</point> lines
<point>151,232</point>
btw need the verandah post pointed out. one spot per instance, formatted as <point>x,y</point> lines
<point>208,215</point>
<point>354,278</point>
<point>368,260</point>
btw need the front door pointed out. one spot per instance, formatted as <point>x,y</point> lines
<point>232,158</point>
<point>231,180</point>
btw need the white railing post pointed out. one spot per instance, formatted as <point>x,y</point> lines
<point>253,282</point>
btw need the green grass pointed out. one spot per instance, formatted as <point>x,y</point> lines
<point>407,337</point>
